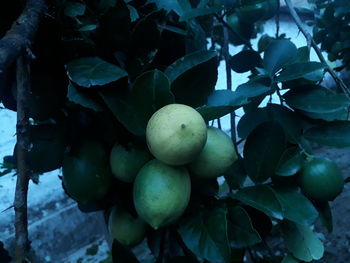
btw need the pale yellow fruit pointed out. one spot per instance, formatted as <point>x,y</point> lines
<point>176,134</point>
<point>217,156</point>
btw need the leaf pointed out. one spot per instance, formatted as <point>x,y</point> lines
<point>289,259</point>
<point>299,70</point>
<point>93,71</point>
<point>78,97</point>
<point>121,254</point>
<point>168,5</point>
<point>187,62</point>
<point>335,134</point>
<point>214,112</point>
<point>150,92</point>
<point>316,99</point>
<point>302,242</point>
<point>187,83</point>
<point>123,110</point>
<point>245,60</point>
<point>74,9</point>
<point>240,227</point>
<point>205,234</point>
<point>296,207</point>
<point>236,175</point>
<point>261,197</point>
<point>197,12</point>
<point>272,112</point>
<point>277,54</point>
<point>133,13</point>
<point>325,213</point>
<point>262,150</point>
<point>290,163</point>
<point>175,30</point>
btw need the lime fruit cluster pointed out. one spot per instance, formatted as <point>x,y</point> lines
<point>179,139</point>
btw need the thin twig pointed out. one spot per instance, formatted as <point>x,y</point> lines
<point>226,54</point>
<point>277,19</point>
<point>313,44</point>
<point>20,202</point>
<point>21,34</point>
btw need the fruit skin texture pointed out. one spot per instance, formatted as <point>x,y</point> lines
<point>126,161</point>
<point>125,228</point>
<point>176,134</point>
<point>161,193</point>
<point>217,156</point>
<point>86,173</point>
<point>321,180</point>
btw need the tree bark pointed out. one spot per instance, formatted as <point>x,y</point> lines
<point>21,34</point>
<point>20,202</point>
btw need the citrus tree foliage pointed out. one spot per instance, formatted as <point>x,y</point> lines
<point>332,29</point>
<point>102,69</point>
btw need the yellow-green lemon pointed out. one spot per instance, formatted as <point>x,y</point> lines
<point>125,228</point>
<point>176,134</point>
<point>161,193</point>
<point>217,156</point>
<point>127,160</point>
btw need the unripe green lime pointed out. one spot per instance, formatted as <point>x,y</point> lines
<point>126,161</point>
<point>161,193</point>
<point>321,180</point>
<point>176,134</point>
<point>86,173</point>
<point>217,156</point>
<point>125,228</point>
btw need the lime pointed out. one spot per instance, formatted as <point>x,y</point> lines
<point>217,156</point>
<point>321,180</point>
<point>176,134</point>
<point>161,193</point>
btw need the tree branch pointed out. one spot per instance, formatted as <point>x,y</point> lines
<point>226,54</point>
<point>20,202</point>
<point>312,43</point>
<point>21,34</point>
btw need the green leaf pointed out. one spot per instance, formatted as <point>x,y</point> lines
<point>214,112</point>
<point>325,213</point>
<point>240,228</point>
<point>277,54</point>
<point>79,97</point>
<point>197,12</point>
<point>262,150</point>
<point>289,259</point>
<point>168,5</point>
<point>272,112</point>
<point>303,55</point>
<point>236,175</point>
<point>150,92</point>
<point>205,234</point>
<point>299,70</point>
<point>188,62</point>
<point>187,83</point>
<point>316,99</point>
<point>261,197</point>
<point>296,207</point>
<point>74,9</point>
<point>133,13</point>
<point>336,134</point>
<point>175,30</point>
<point>122,254</point>
<point>123,110</point>
<point>302,242</point>
<point>245,60</point>
<point>93,71</point>
<point>290,163</point>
